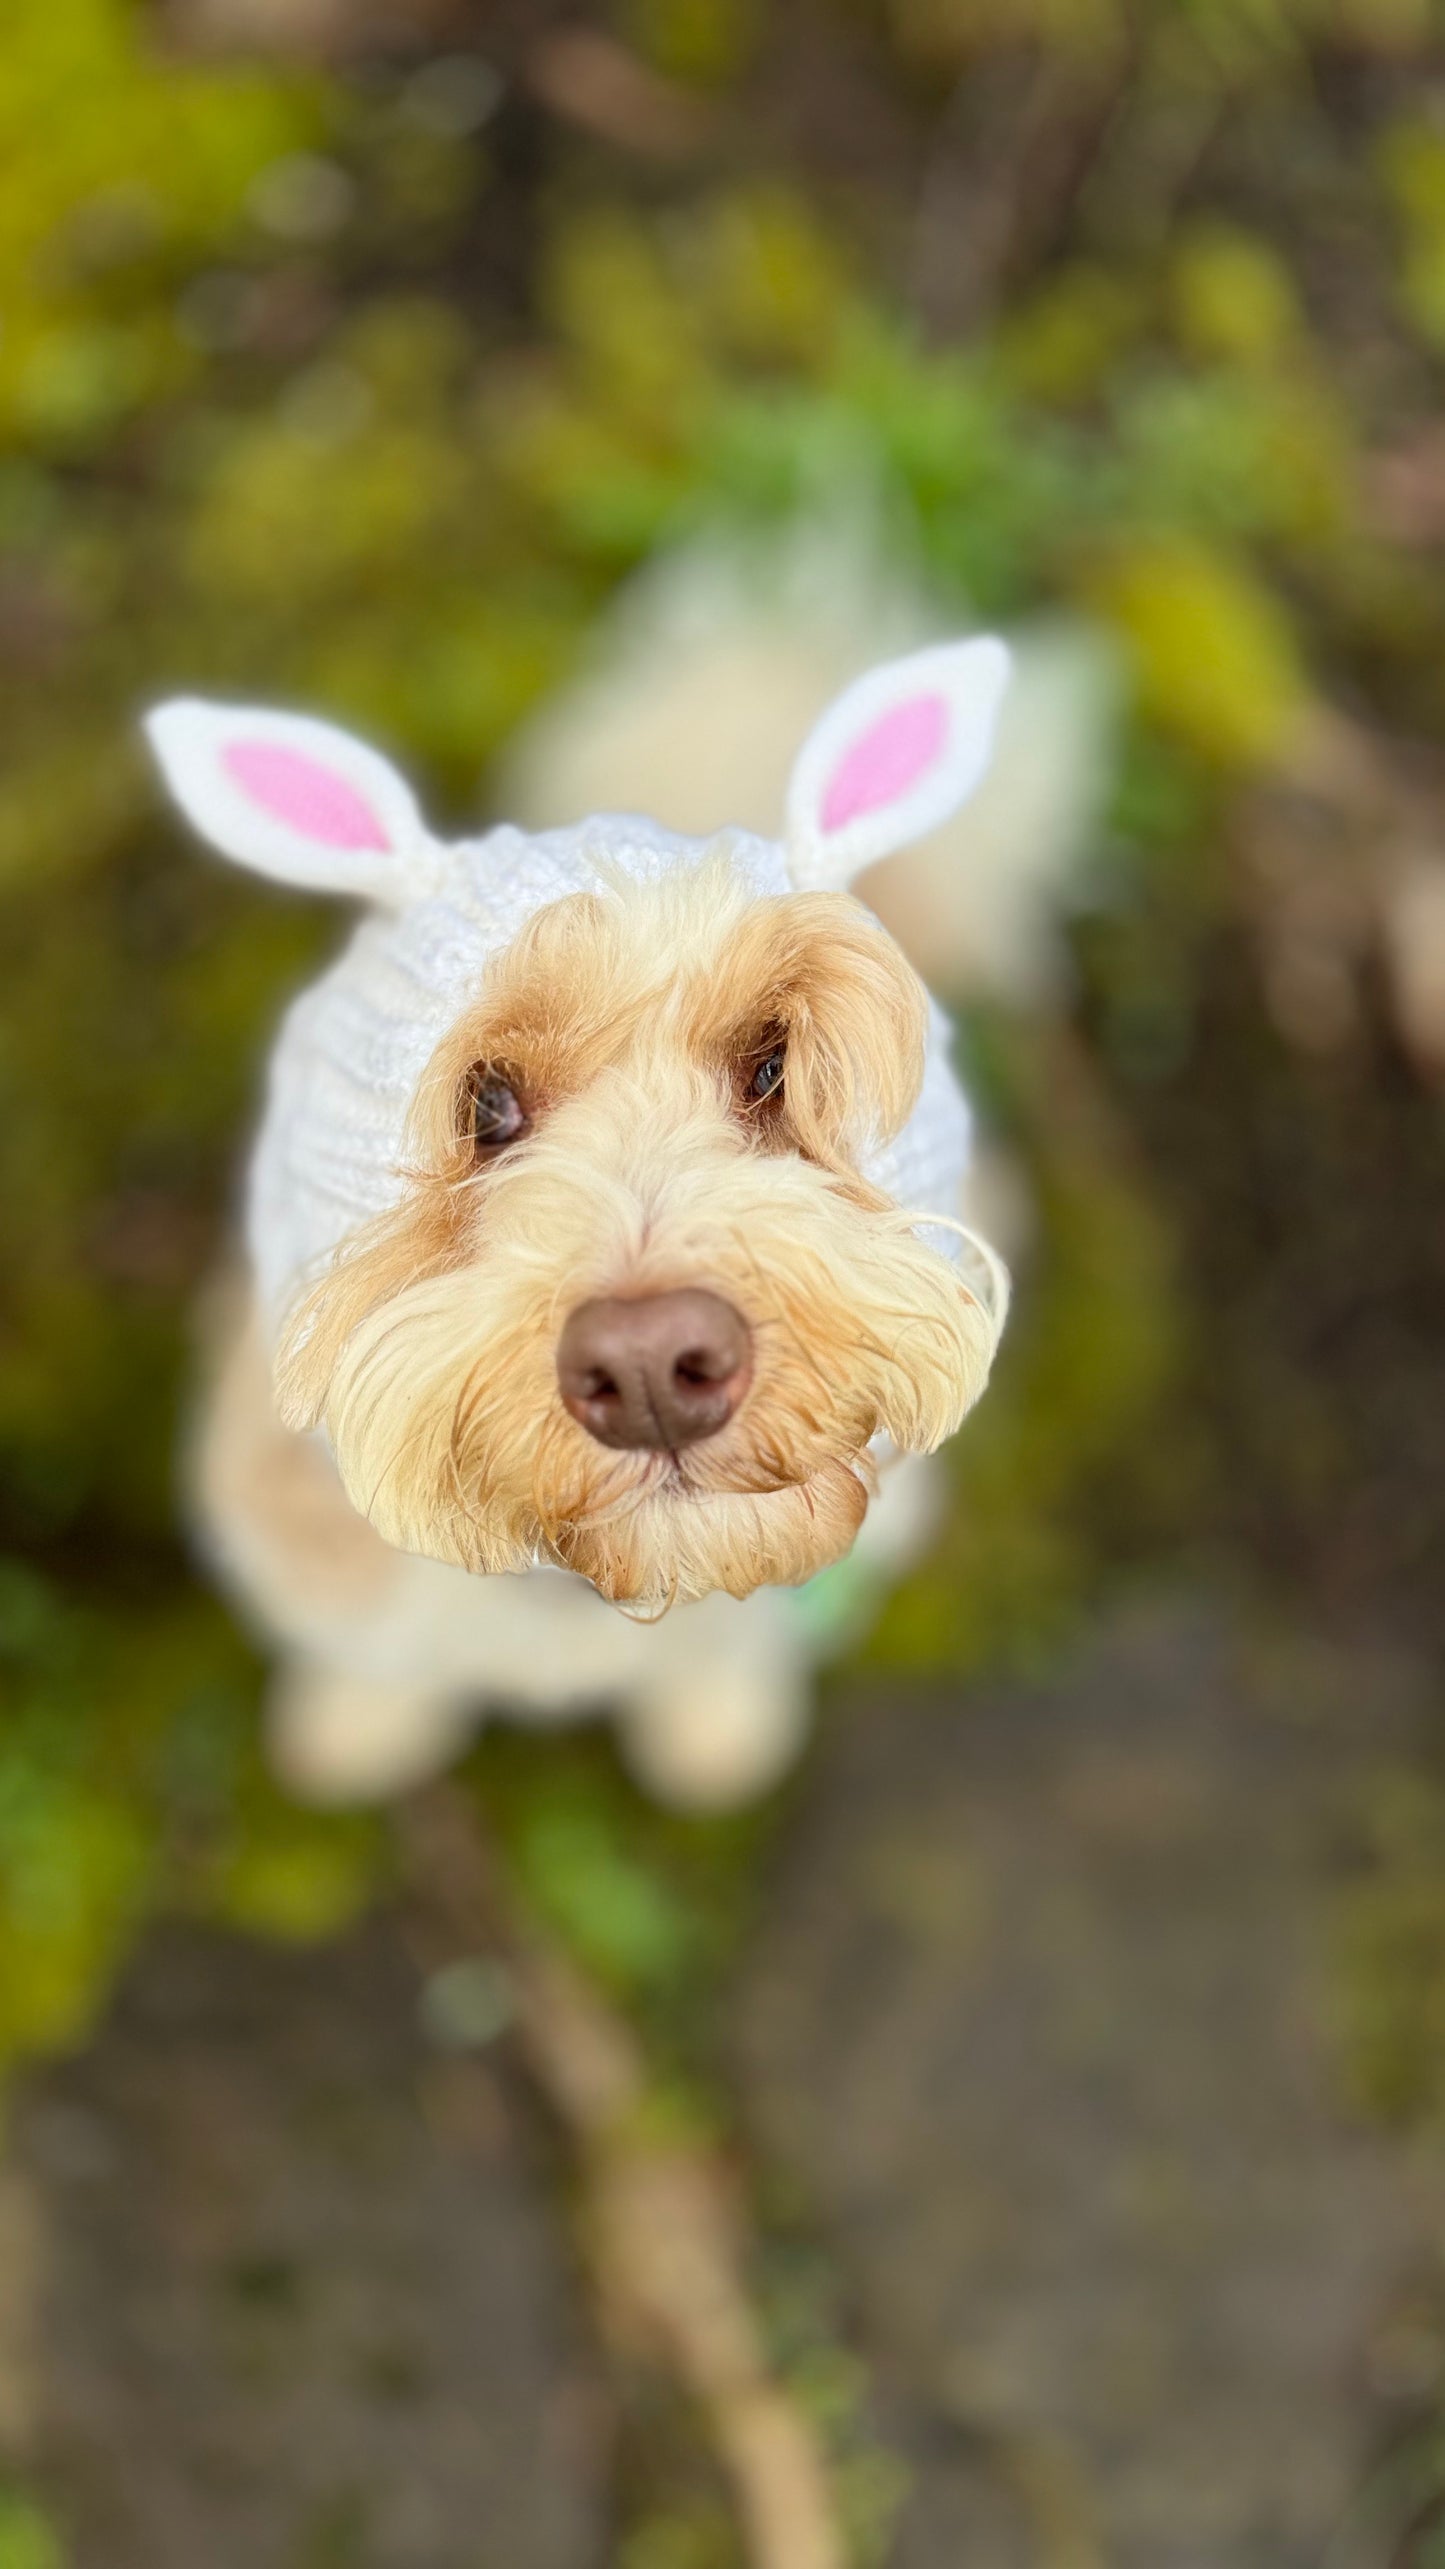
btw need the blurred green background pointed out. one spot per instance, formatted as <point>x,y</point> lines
<point>351,356</point>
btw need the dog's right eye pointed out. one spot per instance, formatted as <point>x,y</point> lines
<point>767,1079</point>
<point>495,1113</point>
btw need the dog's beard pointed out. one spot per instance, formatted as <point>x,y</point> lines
<point>440,1394</point>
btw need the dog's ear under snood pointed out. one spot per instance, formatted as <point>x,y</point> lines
<point>892,757</point>
<point>296,799</point>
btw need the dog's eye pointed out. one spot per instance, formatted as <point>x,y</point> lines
<point>767,1079</point>
<point>495,1113</point>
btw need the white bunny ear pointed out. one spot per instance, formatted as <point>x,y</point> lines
<point>296,799</point>
<point>893,756</point>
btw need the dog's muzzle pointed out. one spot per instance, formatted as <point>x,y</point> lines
<point>660,1371</point>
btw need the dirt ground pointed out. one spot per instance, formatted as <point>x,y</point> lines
<point>1046,2022</point>
<point>1042,2041</point>
<point>296,2292</point>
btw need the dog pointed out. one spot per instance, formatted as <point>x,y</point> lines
<point>603,1227</point>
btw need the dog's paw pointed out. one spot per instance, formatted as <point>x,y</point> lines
<point>715,1736</point>
<point>333,1737</point>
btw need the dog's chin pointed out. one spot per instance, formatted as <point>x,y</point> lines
<point>676,1543</point>
<point>648,1533</point>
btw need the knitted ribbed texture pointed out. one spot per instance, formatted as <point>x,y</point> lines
<point>352,1050</point>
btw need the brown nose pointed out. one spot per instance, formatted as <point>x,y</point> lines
<point>664,1370</point>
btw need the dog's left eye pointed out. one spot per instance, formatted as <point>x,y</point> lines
<point>767,1079</point>
<point>496,1114</point>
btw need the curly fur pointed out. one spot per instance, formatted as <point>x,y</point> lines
<point>629,1019</point>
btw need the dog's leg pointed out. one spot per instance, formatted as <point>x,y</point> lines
<point>334,1736</point>
<point>367,1698</point>
<point>721,1704</point>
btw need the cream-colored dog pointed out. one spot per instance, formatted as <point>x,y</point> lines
<point>603,1228</point>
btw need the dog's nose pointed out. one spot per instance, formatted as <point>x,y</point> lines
<point>664,1370</point>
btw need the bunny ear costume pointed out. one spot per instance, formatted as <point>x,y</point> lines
<point>302,801</point>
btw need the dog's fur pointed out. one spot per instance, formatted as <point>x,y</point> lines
<point>631,1022</point>
<point>629,1018</point>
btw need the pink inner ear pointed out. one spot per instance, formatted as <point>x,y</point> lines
<point>886,759</point>
<point>309,798</point>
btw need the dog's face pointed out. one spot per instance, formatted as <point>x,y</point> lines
<point>659,1101</point>
<point>637,1310</point>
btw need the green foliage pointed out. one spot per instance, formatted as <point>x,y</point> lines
<point>28,2540</point>
<point>1213,655</point>
<point>116,169</point>
<point>129,1772</point>
<point>649,1902</point>
<point>1389,1979</point>
<point>617,1912</point>
<point>1412,163</point>
<point>695,2534</point>
<point>1233,297</point>
<point>74,1854</point>
<point>695,40</point>
<point>1062,343</point>
<point>1087,1378</point>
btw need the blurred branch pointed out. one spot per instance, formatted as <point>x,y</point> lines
<point>592,81</point>
<point>1343,856</point>
<point>1012,149</point>
<point>325,28</point>
<point>20,2262</point>
<point>663,2236</point>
